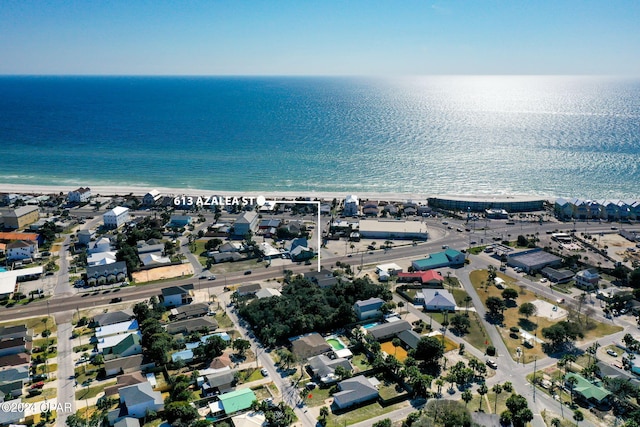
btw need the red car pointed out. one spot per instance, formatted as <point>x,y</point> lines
<point>37,385</point>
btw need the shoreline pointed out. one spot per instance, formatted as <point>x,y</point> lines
<point>123,190</point>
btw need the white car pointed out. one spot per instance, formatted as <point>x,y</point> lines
<point>543,280</point>
<point>612,353</point>
<point>264,372</point>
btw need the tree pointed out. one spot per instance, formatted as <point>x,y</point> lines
<point>482,390</point>
<point>383,423</point>
<point>212,244</point>
<point>342,373</point>
<point>495,306</point>
<point>519,411</point>
<point>528,309</point>
<point>212,348</point>
<point>429,349</point>
<point>562,333</point>
<point>497,389</point>
<point>578,416</point>
<point>572,381</point>
<point>460,323</point>
<point>556,422</point>
<point>467,300</point>
<point>509,294</point>
<point>180,413</point>
<point>241,346</point>
<point>467,397</point>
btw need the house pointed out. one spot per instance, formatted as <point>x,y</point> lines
<point>221,362</point>
<point>268,293</point>
<point>250,419</point>
<point>249,289</point>
<point>557,276</point>
<point>447,258</point>
<point>121,328</point>
<point>101,245</point>
<point>606,370</point>
<point>127,422</point>
<point>239,400</point>
<point>149,247</point>
<point>224,256</point>
<point>436,300</point>
<point>354,391</point>
<point>267,224</point>
<point>14,346</point>
<point>112,317</point>
<point>120,345</point>
<point>21,249</point>
<point>188,326</point>
<point>323,278</point>
<point>101,258</point>
<point>21,217</point>
<point>13,389</point>
<point>350,206</point>
<point>177,295</point>
<point>564,209</point>
<point>81,195</point>
<point>17,373</point>
<point>388,330</point>
<point>116,217</point>
<point>126,365</point>
<point>230,247</point>
<point>220,382</point>
<point>301,253</point>
<point>533,260</point>
<point>369,308</point>
<point>110,273</point>
<point>268,251</point>
<point>589,391</point>
<point>384,271</point>
<point>13,360</point>
<point>184,355</point>
<point>370,208</point>
<point>17,331</point>
<point>188,311</point>
<point>248,222</point>
<point>179,221</point>
<point>140,399</point>
<point>427,277</point>
<point>9,236</point>
<point>151,198</point>
<point>587,279</point>
<point>154,259</point>
<point>124,381</point>
<point>323,368</point>
<point>309,345</point>
<point>409,338</point>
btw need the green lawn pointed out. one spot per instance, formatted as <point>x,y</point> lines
<point>87,393</point>
<point>47,393</point>
<point>361,362</point>
<point>250,375</point>
<point>363,413</point>
<point>201,250</point>
<point>37,324</point>
<point>224,322</point>
<point>318,397</point>
<point>476,336</point>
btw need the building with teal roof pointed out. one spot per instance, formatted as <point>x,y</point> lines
<point>238,400</point>
<point>447,258</point>
<point>587,390</point>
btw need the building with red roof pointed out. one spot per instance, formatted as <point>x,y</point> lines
<point>427,277</point>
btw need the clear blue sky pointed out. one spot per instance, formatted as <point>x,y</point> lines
<point>323,37</point>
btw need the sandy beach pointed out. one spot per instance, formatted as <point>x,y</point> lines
<point>141,191</point>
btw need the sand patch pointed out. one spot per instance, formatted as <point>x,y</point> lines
<point>550,311</point>
<point>161,273</point>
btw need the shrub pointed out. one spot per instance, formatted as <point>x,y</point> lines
<point>491,350</point>
<point>514,329</point>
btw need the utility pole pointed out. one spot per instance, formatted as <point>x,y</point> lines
<point>535,358</point>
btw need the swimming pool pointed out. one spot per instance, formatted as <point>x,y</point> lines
<point>335,343</point>
<point>370,325</point>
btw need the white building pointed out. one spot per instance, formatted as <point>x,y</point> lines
<point>81,195</point>
<point>151,198</point>
<point>350,206</point>
<point>21,249</point>
<point>116,217</point>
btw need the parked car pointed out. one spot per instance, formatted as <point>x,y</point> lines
<point>115,300</point>
<point>543,280</point>
<point>612,353</point>
<point>247,272</point>
<point>264,372</point>
<point>212,278</point>
<point>37,385</point>
<point>492,364</point>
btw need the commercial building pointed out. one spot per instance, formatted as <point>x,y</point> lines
<point>393,229</point>
<point>351,207</point>
<point>533,260</point>
<point>482,203</point>
<point>447,258</point>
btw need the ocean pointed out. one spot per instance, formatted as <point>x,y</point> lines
<point>565,136</point>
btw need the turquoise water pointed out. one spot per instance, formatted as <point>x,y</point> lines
<point>370,325</point>
<point>552,136</point>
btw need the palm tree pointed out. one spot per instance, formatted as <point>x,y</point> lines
<point>466,396</point>
<point>556,422</point>
<point>396,343</point>
<point>482,390</point>
<point>497,389</point>
<point>578,416</point>
<point>439,384</point>
<point>572,381</point>
<point>324,412</point>
<point>467,300</point>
